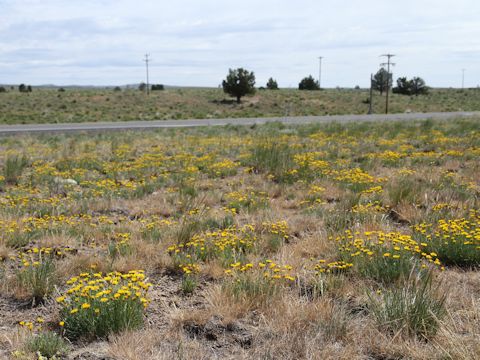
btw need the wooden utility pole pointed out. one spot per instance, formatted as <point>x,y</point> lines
<point>146,65</point>
<point>320,73</point>
<point>388,63</point>
<point>370,102</point>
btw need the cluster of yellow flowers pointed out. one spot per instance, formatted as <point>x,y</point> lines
<point>190,269</point>
<point>387,155</point>
<point>373,190</point>
<point>323,266</point>
<point>103,187</point>
<point>465,231</point>
<point>316,190</point>
<point>226,242</point>
<point>279,228</point>
<point>247,199</point>
<point>369,207</point>
<point>225,167</point>
<point>387,244</point>
<point>97,290</point>
<point>456,240</point>
<point>212,243</point>
<point>34,256</point>
<point>32,325</point>
<point>354,176</point>
<point>314,196</point>
<point>311,161</point>
<point>268,268</point>
<point>441,206</point>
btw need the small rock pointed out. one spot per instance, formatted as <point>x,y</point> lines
<point>62,181</point>
<point>90,356</point>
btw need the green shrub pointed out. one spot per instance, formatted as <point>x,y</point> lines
<point>308,83</point>
<point>47,344</point>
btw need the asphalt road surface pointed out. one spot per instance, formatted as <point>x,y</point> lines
<point>153,124</point>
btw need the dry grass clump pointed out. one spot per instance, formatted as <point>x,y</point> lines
<point>135,345</point>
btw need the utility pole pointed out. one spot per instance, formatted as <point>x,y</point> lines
<point>463,78</point>
<point>146,65</point>
<point>388,63</point>
<point>370,103</point>
<point>320,72</point>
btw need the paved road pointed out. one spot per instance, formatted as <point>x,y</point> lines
<point>132,125</point>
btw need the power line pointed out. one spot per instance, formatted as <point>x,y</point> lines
<point>463,78</point>
<point>388,63</point>
<point>147,60</point>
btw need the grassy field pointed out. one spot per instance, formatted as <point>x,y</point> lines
<point>358,241</point>
<point>51,106</point>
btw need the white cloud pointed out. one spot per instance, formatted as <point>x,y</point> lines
<point>195,42</point>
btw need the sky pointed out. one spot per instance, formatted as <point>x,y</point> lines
<point>195,42</point>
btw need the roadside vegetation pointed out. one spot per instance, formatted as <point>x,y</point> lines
<point>74,105</point>
<point>333,241</point>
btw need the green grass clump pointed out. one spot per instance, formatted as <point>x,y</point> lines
<point>272,158</point>
<point>253,289</point>
<point>404,190</point>
<point>385,270</point>
<point>13,168</point>
<point>189,283</point>
<point>38,278</point>
<point>414,309</point>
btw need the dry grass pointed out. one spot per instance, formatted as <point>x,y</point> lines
<point>134,345</point>
<point>139,199</point>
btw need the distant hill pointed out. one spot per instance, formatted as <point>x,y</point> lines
<point>99,87</point>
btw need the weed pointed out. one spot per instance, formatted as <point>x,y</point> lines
<point>189,283</point>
